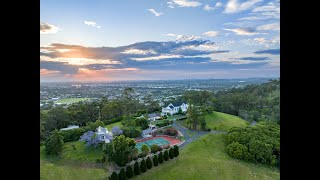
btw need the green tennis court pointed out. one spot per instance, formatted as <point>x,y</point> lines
<point>158,141</point>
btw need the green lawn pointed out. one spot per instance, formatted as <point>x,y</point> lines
<point>73,164</point>
<point>71,100</point>
<point>110,126</point>
<point>223,122</point>
<point>205,158</point>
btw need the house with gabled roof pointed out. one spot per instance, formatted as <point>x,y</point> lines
<point>173,108</point>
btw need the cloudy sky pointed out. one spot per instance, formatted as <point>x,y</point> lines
<point>106,40</point>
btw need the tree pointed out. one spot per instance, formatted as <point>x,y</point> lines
<point>120,150</point>
<point>134,153</point>
<point>143,166</point>
<point>171,154</point>
<point>145,149</point>
<point>166,155</point>
<point>116,131</point>
<point>160,158</point>
<point>54,144</point>
<point>195,116</point>
<point>154,148</point>
<point>176,151</point>
<point>129,172</point>
<point>57,118</point>
<point>155,160</point>
<point>149,163</point>
<point>180,110</point>
<point>136,168</point>
<point>122,174</point>
<point>114,176</point>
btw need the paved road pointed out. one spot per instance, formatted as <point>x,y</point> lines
<point>191,135</point>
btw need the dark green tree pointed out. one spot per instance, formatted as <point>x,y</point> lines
<point>114,176</point>
<point>136,168</point>
<point>154,148</point>
<point>166,155</point>
<point>143,166</point>
<point>149,163</point>
<point>176,151</point>
<point>120,150</point>
<point>155,160</point>
<point>122,174</point>
<point>129,172</point>
<point>145,149</point>
<point>160,158</point>
<point>171,153</point>
<point>54,144</point>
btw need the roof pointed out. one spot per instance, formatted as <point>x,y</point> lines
<point>146,131</point>
<point>176,104</point>
<point>101,130</point>
<point>70,127</point>
<point>153,115</point>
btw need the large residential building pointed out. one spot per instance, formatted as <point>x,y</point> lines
<point>173,108</point>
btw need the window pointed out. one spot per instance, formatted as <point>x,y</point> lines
<point>102,137</point>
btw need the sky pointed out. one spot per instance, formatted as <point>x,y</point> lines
<point>112,40</point>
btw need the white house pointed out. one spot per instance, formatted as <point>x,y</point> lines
<point>172,109</point>
<point>103,134</point>
<point>153,116</point>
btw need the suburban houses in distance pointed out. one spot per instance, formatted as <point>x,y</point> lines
<point>172,109</point>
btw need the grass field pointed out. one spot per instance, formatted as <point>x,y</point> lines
<point>204,159</point>
<point>73,164</point>
<point>223,122</point>
<point>110,126</point>
<point>71,100</point>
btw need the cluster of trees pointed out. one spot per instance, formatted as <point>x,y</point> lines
<point>259,143</point>
<point>196,117</point>
<point>252,103</point>
<point>122,108</point>
<point>144,165</point>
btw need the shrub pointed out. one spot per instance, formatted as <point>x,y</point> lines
<point>209,129</point>
<point>166,155</point>
<point>171,154</point>
<point>160,157</point>
<point>176,151</point>
<point>166,146</point>
<point>135,153</point>
<point>114,176</point>
<point>143,166</point>
<point>154,148</point>
<point>122,175</point>
<point>155,160</point>
<point>149,163</point>
<point>54,144</point>
<point>131,132</point>
<point>129,172</point>
<point>171,132</point>
<point>145,149</point>
<point>136,168</point>
<point>72,135</point>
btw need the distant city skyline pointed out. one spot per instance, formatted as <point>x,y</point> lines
<point>118,40</point>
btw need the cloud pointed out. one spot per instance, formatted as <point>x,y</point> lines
<point>91,23</point>
<point>254,58</point>
<point>46,72</point>
<point>272,26</point>
<point>243,31</point>
<point>46,28</point>
<point>183,3</point>
<point>218,4</point>
<point>154,12</point>
<point>233,6</point>
<point>138,51</point>
<point>269,11</point>
<point>211,33</point>
<point>207,7</point>
<point>269,51</point>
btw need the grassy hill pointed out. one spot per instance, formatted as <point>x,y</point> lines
<point>110,126</point>
<point>223,122</point>
<point>73,164</point>
<point>205,158</point>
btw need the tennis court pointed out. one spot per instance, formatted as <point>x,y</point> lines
<point>159,141</point>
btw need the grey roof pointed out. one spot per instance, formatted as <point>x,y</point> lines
<point>176,104</point>
<point>146,131</point>
<point>152,115</point>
